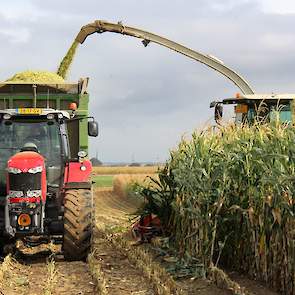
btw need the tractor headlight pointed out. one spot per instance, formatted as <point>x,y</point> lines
<point>50,116</point>
<point>6,116</point>
<point>15,194</point>
<point>83,168</point>
<point>13,170</point>
<point>34,193</point>
<point>35,169</point>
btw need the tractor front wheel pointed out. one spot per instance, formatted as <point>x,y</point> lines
<point>78,223</point>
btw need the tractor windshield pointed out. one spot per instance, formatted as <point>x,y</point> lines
<point>16,133</point>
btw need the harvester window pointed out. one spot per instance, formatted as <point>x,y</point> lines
<point>269,113</point>
<point>251,115</point>
<point>283,113</point>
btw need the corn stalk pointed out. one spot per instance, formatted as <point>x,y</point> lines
<point>228,197</point>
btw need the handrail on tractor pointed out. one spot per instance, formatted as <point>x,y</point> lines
<point>100,26</point>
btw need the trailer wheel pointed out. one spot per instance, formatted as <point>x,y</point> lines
<point>78,224</point>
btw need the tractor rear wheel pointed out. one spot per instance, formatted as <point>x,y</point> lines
<point>78,223</point>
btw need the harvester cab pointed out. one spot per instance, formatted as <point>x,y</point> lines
<point>45,186</point>
<point>250,108</point>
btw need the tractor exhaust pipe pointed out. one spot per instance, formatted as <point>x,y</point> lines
<point>35,95</point>
<point>8,228</point>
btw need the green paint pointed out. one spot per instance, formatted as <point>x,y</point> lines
<point>61,101</point>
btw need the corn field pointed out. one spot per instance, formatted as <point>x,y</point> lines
<point>227,198</point>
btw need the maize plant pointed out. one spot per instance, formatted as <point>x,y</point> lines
<point>228,199</point>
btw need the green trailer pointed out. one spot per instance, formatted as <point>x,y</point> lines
<point>52,96</point>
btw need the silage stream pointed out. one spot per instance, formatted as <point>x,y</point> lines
<point>66,62</point>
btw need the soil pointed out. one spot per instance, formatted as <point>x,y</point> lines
<point>120,275</point>
<point>256,287</point>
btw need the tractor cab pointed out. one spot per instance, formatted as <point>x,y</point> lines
<point>257,108</point>
<point>35,130</point>
<point>34,154</point>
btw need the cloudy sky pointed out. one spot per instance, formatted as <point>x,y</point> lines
<point>145,99</point>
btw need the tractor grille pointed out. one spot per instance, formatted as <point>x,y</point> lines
<point>24,181</point>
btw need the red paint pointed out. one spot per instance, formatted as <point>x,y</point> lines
<point>25,161</point>
<point>150,220</point>
<point>25,200</point>
<point>73,173</point>
<point>147,227</point>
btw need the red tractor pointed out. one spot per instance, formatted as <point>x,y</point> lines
<point>45,186</point>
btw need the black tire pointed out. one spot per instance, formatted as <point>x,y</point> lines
<point>1,248</point>
<point>7,246</point>
<point>78,224</point>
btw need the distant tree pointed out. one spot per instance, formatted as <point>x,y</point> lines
<point>134,164</point>
<point>95,162</point>
<point>150,164</point>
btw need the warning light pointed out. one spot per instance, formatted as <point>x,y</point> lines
<point>24,220</point>
<point>238,95</point>
<point>241,109</point>
<point>73,106</point>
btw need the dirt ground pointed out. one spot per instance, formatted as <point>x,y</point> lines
<point>42,270</point>
<point>120,275</point>
<point>29,272</point>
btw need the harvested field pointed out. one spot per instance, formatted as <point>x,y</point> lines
<point>122,183</point>
<point>116,266</point>
<point>120,276</point>
<point>112,170</point>
<point>42,270</point>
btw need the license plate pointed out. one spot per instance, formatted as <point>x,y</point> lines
<point>29,111</point>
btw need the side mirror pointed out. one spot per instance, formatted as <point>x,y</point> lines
<point>93,128</point>
<point>218,112</point>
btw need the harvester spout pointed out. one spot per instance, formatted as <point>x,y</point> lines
<point>100,26</point>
